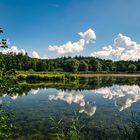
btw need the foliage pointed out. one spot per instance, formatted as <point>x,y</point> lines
<point>76,131</point>
<point>132,68</point>
<point>132,130</point>
<point>71,65</point>
<point>72,132</point>
<point>20,62</point>
<point>46,77</point>
<point>6,127</point>
<point>7,84</point>
<point>95,65</point>
<point>83,66</point>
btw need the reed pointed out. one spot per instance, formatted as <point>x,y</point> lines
<point>46,76</point>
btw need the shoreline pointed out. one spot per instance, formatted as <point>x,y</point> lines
<point>113,75</point>
<point>63,75</point>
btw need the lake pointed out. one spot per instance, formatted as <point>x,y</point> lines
<point>102,103</point>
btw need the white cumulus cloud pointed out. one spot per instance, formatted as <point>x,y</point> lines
<point>35,54</point>
<point>13,49</point>
<point>88,35</point>
<point>74,47</point>
<point>125,49</point>
<point>69,47</point>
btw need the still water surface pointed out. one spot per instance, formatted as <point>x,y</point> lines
<point>99,101</point>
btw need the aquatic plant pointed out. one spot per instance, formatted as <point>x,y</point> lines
<point>75,131</point>
<point>130,131</point>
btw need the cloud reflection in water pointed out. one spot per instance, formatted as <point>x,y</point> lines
<point>35,91</point>
<point>123,96</point>
<point>75,97</point>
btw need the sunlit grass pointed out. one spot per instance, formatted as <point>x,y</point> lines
<point>46,76</point>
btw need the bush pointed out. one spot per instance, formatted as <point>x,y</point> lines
<point>6,127</point>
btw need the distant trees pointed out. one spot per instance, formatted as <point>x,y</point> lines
<point>95,65</point>
<point>132,68</point>
<point>41,66</point>
<point>22,62</point>
<point>83,66</point>
<point>71,65</point>
<point>121,66</point>
<point>138,65</point>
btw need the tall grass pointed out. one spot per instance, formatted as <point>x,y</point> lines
<point>46,77</point>
<point>72,132</point>
<point>77,131</point>
<point>132,130</point>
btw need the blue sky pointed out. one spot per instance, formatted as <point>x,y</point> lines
<point>35,24</point>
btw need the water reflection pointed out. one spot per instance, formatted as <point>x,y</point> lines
<point>89,83</point>
<point>75,97</point>
<point>1,101</point>
<point>123,96</point>
<point>88,108</point>
<point>123,91</point>
<point>59,100</point>
<point>14,96</point>
<point>69,97</point>
<point>35,91</point>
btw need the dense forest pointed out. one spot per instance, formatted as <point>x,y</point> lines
<point>20,62</point>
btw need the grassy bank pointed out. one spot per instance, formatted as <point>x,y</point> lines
<point>55,76</point>
<point>46,76</point>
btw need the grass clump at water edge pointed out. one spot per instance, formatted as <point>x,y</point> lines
<point>44,77</point>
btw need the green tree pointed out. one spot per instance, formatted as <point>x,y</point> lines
<point>95,65</point>
<point>138,65</point>
<point>83,66</point>
<point>121,66</point>
<point>7,84</point>
<point>41,66</point>
<point>51,66</point>
<point>132,68</point>
<point>71,65</point>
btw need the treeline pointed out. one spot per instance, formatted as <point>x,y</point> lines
<point>22,62</point>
